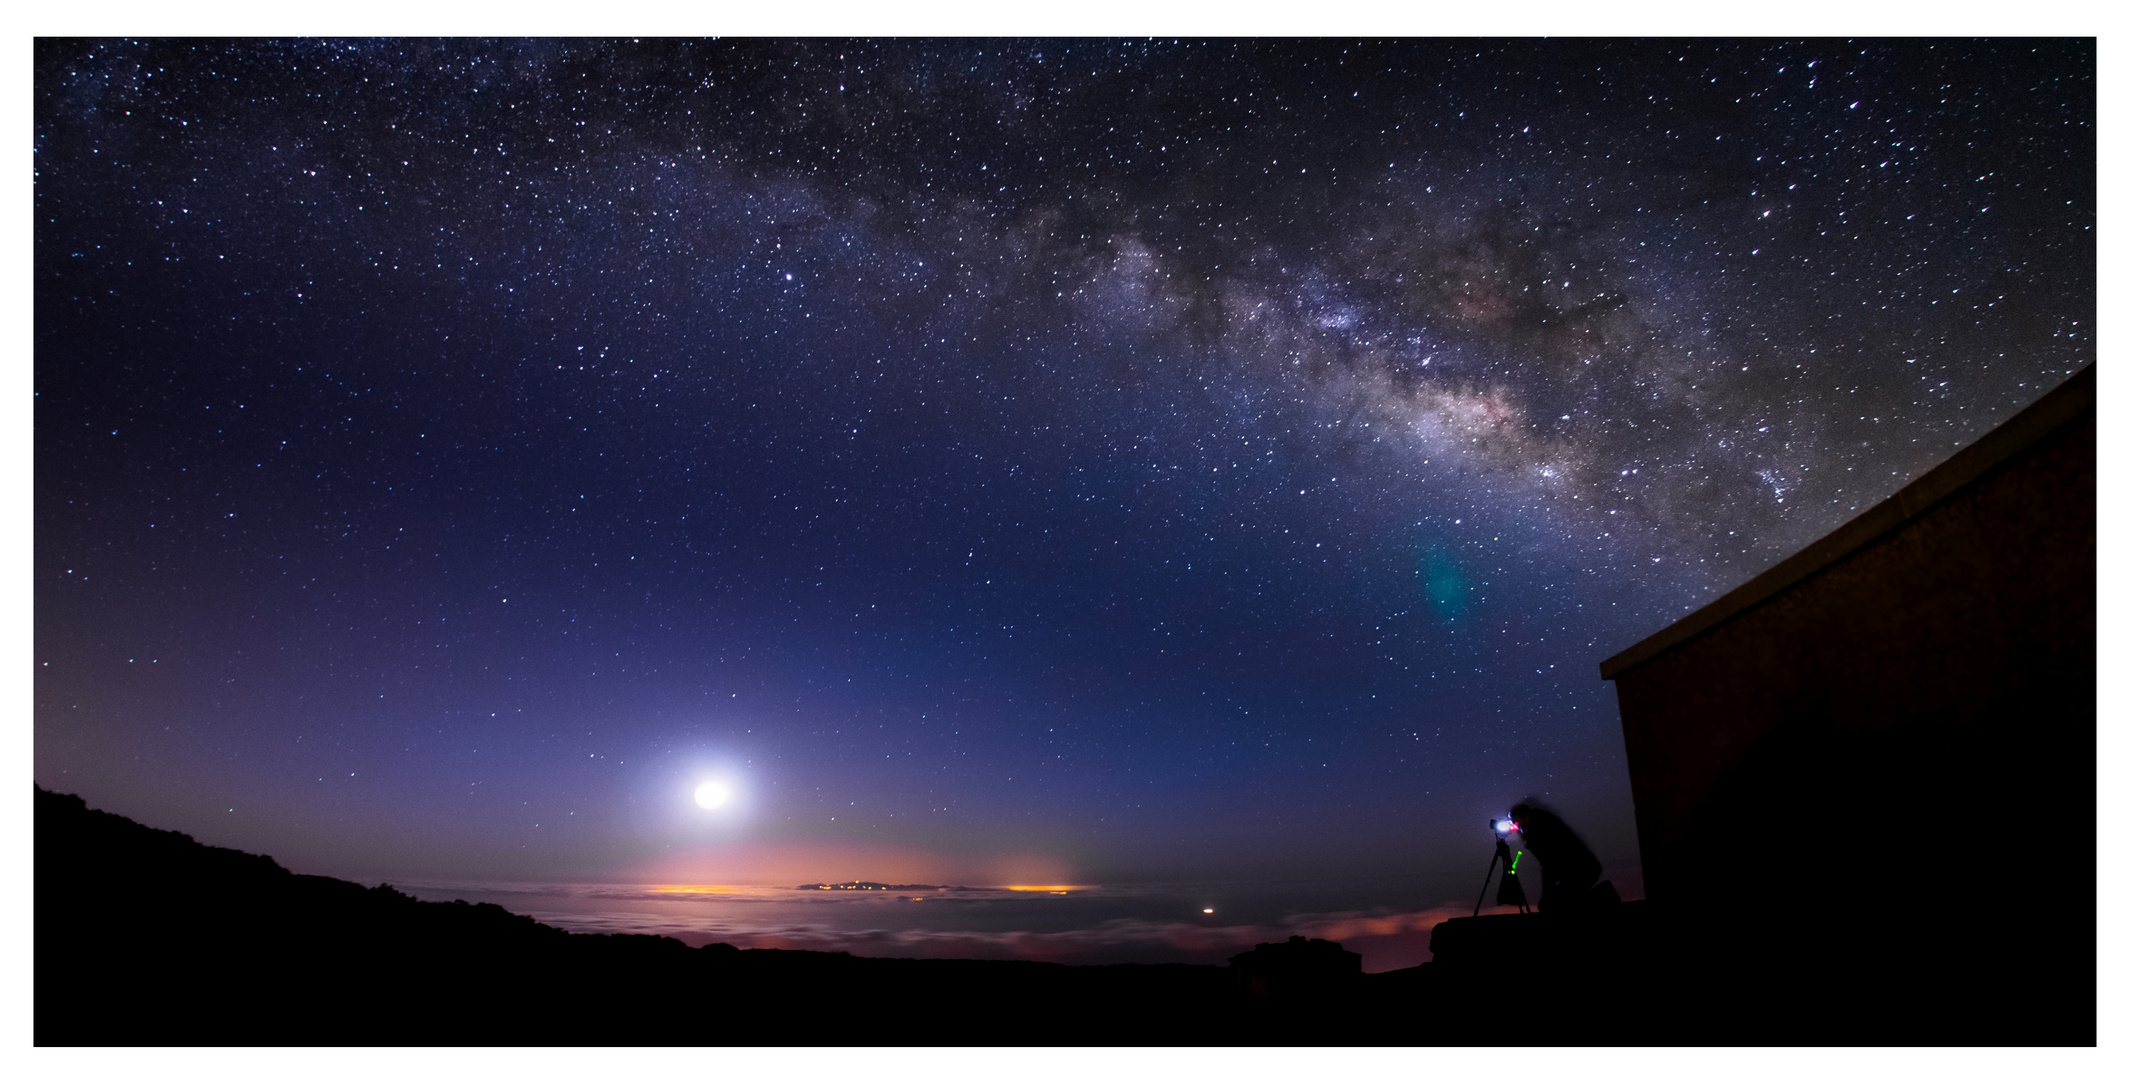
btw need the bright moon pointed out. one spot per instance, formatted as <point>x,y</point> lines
<point>710,795</point>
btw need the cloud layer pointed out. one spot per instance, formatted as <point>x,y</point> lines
<point>1386,940</point>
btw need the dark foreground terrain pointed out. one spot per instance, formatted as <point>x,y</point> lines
<point>145,937</point>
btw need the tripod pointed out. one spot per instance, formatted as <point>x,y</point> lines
<point>1512,887</point>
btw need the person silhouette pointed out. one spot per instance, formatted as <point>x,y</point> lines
<point>1567,870</point>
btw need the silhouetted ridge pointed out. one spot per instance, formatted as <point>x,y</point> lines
<point>874,886</point>
<point>146,936</point>
<point>1297,967</point>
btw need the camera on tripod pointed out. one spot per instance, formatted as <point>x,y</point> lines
<point>1511,893</point>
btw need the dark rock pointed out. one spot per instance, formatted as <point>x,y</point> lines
<point>1298,968</point>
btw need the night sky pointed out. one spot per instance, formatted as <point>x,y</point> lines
<point>997,462</point>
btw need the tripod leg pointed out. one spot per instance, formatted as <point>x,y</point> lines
<point>1483,883</point>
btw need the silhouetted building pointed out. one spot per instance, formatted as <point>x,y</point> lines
<point>1873,745</point>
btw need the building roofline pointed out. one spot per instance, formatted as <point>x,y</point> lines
<point>2073,398</point>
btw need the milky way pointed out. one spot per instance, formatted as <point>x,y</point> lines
<point>1128,461</point>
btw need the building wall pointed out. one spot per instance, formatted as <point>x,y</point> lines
<point>1904,713</point>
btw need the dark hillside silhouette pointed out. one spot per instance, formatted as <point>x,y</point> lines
<point>1298,968</point>
<point>146,937</point>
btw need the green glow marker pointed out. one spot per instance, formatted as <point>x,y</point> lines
<point>1512,862</point>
